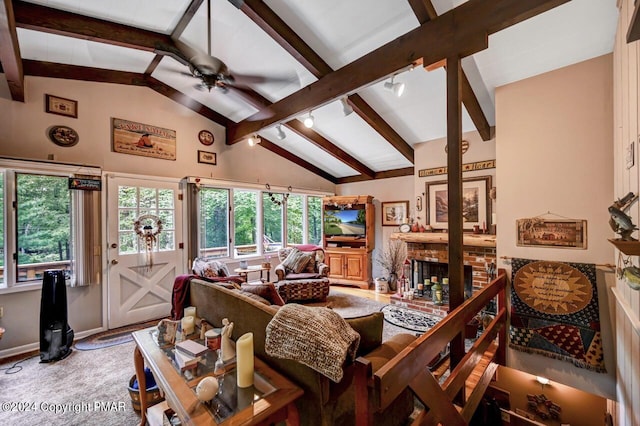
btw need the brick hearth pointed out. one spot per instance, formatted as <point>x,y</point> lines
<point>478,251</point>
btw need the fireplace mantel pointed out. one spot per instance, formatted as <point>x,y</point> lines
<point>471,240</point>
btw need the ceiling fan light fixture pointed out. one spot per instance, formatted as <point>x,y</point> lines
<point>396,88</point>
<point>253,140</point>
<point>309,121</point>
<point>280,133</point>
<point>346,107</point>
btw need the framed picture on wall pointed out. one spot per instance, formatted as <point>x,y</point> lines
<point>207,157</point>
<point>395,213</point>
<point>61,106</point>
<point>476,205</point>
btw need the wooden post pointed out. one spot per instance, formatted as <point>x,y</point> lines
<point>454,164</point>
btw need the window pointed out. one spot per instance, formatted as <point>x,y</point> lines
<point>43,224</point>
<point>135,202</point>
<point>295,232</point>
<point>43,213</point>
<point>272,219</point>
<point>214,222</point>
<point>261,222</point>
<point>245,208</point>
<point>314,220</point>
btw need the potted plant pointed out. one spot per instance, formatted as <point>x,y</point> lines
<point>391,260</point>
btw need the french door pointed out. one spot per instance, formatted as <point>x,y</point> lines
<point>144,231</point>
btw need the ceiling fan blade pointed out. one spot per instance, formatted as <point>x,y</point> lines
<point>248,80</point>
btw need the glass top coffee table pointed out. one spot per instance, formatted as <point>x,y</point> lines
<point>270,399</point>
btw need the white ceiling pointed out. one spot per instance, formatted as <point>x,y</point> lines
<point>340,32</point>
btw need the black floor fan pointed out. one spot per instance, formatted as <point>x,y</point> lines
<point>56,337</point>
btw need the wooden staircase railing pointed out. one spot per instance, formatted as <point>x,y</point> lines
<point>409,369</point>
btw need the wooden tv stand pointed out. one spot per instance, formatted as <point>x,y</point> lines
<point>349,257</point>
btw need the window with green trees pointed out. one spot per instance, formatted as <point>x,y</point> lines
<point>262,221</point>
<point>43,213</point>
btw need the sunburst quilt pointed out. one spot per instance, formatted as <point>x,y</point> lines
<point>554,311</point>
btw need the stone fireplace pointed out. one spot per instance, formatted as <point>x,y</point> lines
<point>429,256</point>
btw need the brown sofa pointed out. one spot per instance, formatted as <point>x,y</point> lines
<point>324,402</point>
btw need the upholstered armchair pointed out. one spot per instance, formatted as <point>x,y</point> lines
<point>302,274</point>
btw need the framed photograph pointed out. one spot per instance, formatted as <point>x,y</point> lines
<point>395,213</point>
<point>476,205</point>
<point>558,233</point>
<point>147,140</point>
<point>207,157</point>
<point>61,106</point>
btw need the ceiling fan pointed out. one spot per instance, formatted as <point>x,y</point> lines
<point>212,72</point>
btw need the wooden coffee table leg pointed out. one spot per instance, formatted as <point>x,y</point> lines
<point>293,418</point>
<point>138,362</point>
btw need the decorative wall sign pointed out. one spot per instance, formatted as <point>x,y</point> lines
<point>63,136</point>
<point>476,209</point>
<point>395,213</point>
<point>205,137</point>
<point>85,184</point>
<point>468,167</point>
<point>558,233</point>
<point>207,157</point>
<point>146,140</point>
<point>555,312</point>
<point>61,106</point>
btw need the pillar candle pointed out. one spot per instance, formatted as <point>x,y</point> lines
<point>188,325</point>
<point>190,311</point>
<point>244,360</point>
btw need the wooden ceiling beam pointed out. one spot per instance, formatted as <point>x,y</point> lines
<point>10,51</point>
<point>54,21</point>
<point>99,75</point>
<point>328,147</point>
<point>425,12</point>
<point>276,149</point>
<point>462,31</point>
<point>406,171</point>
<point>263,16</point>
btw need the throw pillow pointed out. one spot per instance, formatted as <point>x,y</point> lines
<point>206,267</point>
<point>369,327</point>
<point>296,261</point>
<point>267,291</point>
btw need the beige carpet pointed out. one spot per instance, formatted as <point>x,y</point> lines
<point>90,387</point>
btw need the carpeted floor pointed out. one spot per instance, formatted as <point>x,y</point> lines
<point>89,387</point>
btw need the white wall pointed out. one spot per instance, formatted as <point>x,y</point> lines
<point>23,128</point>
<point>555,154</point>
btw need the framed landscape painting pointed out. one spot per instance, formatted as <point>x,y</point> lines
<point>395,213</point>
<point>476,205</point>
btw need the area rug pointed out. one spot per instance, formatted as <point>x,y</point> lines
<point>116,336</point>
<point>554,312</point>
<point>409,319</point>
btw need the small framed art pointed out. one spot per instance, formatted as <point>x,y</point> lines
<point>207,157</point>
<point>395,213</point>
<point>61,106</point>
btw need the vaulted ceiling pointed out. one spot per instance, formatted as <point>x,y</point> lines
<point>310,55</point>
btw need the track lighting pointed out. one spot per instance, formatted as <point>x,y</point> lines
<point>346,107</point>
<point>308,121</point>
<point>397,88</point>
<point>280,133</point>
<point>253,140</point>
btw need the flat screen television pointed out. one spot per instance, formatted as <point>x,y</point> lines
<point>348,222</point>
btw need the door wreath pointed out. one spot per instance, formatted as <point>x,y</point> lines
<point>147,227</point>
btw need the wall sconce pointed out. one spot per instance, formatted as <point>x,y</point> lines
<point>419,203</point>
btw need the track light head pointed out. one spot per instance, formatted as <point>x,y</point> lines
<point>346,107</point>
<point>280,133</point>
<point>397,88</point>
<point>253,140</point>
<point>309,121</point>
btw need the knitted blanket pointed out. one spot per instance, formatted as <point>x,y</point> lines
<point>316,337</point>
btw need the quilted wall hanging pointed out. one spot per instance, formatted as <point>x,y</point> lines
<point>554,312</point>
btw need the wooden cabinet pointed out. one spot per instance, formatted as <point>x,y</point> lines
<point>349,266</point>
<point>349,257</point>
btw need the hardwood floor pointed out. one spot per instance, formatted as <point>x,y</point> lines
<point>369,294</point>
